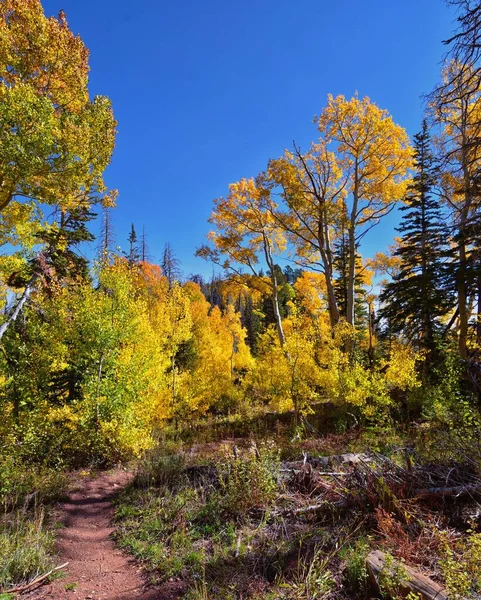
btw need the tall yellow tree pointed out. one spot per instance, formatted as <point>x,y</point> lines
<point>375,156</point>
<point>247,235</point>
<point>55,142</point>
<point>312,187</point>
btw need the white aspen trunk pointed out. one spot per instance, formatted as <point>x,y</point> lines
<point>20,304</point>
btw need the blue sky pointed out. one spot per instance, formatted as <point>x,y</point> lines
<point>206,92</point>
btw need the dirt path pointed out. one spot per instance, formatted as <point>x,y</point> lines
<point>97,570</point>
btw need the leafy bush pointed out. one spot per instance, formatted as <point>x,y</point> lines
<point>20,484</point>
<point>356,571</point>
<point>461,565</point>
<point>249,480</point>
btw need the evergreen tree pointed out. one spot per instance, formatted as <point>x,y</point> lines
<point>133,255</point>
<point>292,275</point>
<point>62,258</point>
<point>417,297</point>
<point>285,293</point>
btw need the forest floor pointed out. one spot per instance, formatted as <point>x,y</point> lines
<point>96,570</point>
<point>274,518</point>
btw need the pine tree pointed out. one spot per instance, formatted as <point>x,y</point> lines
<point>62,257</point>
<point>285,294</point>
<point>133,255</point>
<point>417,297</point>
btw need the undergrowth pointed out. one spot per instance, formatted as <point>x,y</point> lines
<point>26,547</point>
<point>26,537</point>
<point>221,517</point>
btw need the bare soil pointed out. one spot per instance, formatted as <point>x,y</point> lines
<point>97,570</point>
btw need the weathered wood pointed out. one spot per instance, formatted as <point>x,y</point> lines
<point>319,473</point>
<point>459,490</point>
<point>318,508</point>
<point>325,462</point>
<point>36,581</point>
<point>350,458</point>
<point>414,581</point>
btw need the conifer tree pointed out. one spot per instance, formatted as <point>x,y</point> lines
<point>133,255</point>
<point>63,243</point>
<point>417,297</point>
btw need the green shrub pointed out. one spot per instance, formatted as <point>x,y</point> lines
<point>461,566</point>
<point>356,572</point>
<point>21,484</point>
<point>249,480</point>
<point>158,469</point>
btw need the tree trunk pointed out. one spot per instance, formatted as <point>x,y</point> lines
<point>372,320</point>
<point>351,277</point>
<point>478,310</point>
<point>352,250</point>
<point>275,292</point>
<point>461,287</point>
<point>326,257</point>
<point>6,194</point>
<point>174,382</point>
<point>20,304</point>
<point>331,295</point>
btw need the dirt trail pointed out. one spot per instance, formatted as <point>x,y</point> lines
<point>97,570</point>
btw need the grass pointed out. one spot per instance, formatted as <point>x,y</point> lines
<point>26,547</point>
<point>26,539</point>
<point>210,525</point>
<point>201,529</point>
<point>70,587</point>
<point>218,516</point>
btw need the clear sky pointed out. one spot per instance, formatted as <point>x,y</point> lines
<point>205,92</point>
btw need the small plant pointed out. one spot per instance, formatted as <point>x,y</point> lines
<point>356,571</point>
<point>159,469</point>
<point>23,485</point>
<point>461,565</point>
<point>199,591</point>
<point>392,579</point>
<point>314,580</point>
<point>249,481</point>
<point>71,587</point>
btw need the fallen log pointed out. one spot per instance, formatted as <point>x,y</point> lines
<point>350,458</point>
<point>411,581</point>
<point>327,461</point>
<point>319,473</point>
<point>458,490</point>
<point>322,507</point>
